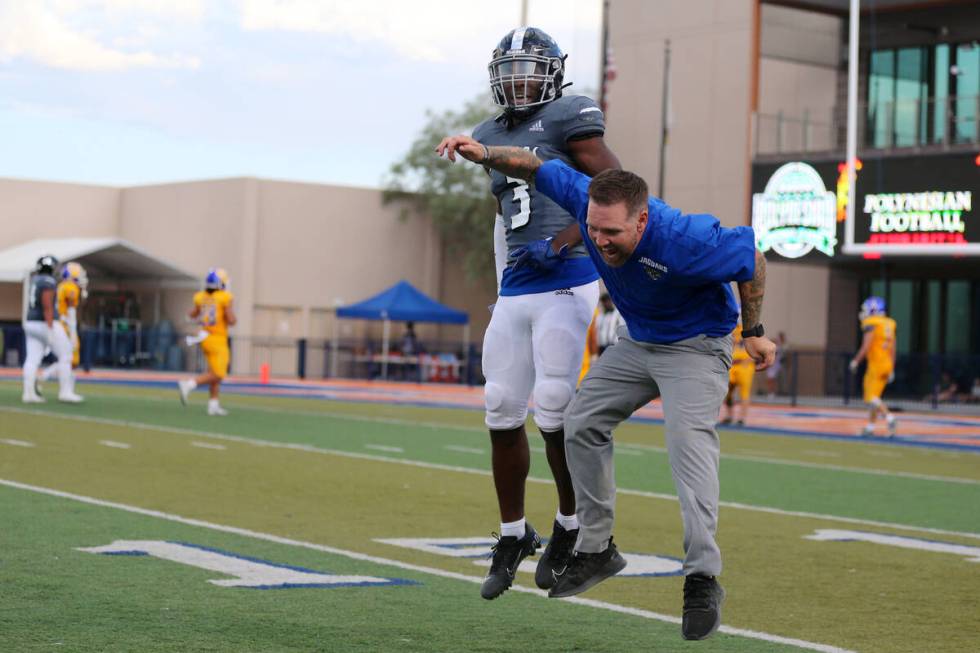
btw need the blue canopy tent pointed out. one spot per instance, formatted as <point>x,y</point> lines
<point>402,302</point>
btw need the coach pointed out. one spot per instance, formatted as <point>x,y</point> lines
<point>669,275</point>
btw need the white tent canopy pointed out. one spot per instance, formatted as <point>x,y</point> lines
<point>103,258</point>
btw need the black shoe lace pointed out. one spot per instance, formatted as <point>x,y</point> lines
<point>503,549</point>
<point>561,545</point>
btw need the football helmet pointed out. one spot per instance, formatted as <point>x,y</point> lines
<point>871,306</point>
<point>216,279</point>
<point>46,264</point>
<point>75,272</point>
<point>526,71</point>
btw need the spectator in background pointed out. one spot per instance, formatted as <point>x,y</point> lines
<point>974,395</point>
<point>607,323</point>
<point>410,342</point>
<point>947,389</point>
<point>772,373</point>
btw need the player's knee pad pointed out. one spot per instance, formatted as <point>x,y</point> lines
<point>875,403</point>
<point>504,411</point>
<point>551,397</point>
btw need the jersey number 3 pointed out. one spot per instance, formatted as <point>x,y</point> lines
<point>523,200</point>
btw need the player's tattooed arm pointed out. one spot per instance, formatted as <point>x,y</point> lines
<point>751,293</point>
<point>512,161</point>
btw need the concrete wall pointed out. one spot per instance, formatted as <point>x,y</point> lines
<point>711,64</point>
<point>800,56</point>
<point>40,209</point>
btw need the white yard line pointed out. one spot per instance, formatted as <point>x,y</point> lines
<point>17,443</point>
<point>355,555</point>
<point>468,470</point>
<point>455,427</point>
<point>836,468</point>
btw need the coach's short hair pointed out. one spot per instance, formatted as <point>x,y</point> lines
<point>614,186</point>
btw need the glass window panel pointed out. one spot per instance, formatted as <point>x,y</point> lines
<point>958,317</point>
<point>900,309</point>
<point>881,97</point>
<point>909,93</point>
<point>941,92</point>
<point>967,89</point>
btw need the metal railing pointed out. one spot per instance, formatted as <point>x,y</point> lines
<point>933,123</point>
<point>163,349</point>
<point>922,381</point>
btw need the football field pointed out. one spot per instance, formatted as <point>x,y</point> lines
<point>130,523</point>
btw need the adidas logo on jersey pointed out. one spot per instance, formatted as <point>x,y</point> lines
<point>536,127</point>
<point>565,291</point>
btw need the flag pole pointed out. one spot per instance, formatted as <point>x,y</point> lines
<point>664,123</point>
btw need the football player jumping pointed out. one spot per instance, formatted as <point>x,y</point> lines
<point>548,292</point>
<point>878,346</point>
<point>213,310</point>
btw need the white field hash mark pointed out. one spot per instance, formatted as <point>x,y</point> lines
<point>293,446</point>
<point>356,555</point>
<point>17,443</point>
<point>115,445</point>
<point>384,447</point>
<point>209,445</point>
<point>457,448</point>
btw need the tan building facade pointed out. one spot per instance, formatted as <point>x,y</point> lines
<point>294,251</point>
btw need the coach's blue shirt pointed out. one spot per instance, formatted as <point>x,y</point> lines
<point>676,283</point>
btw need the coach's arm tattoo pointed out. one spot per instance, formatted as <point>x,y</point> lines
<point>751,292</point>
<point>512,161</point>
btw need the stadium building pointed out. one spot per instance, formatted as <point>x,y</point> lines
<point>294,251</point>
<point>754,122</point>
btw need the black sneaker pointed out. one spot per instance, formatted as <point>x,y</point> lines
<point>555,556</point>
<point>703,597</point>
<point>507,554</point>
<point>585,570</point>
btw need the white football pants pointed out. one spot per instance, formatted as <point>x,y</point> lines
<point>39,336</point>
<point>535,342</point>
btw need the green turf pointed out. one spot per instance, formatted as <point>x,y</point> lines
<point>858,595</point>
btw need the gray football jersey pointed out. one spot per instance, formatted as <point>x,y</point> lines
<point>529,215</point>
<point>40,283</point>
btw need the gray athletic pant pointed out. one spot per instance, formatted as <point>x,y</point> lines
<point>692,377</point>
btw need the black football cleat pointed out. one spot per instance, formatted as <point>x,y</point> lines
<point>703,597</point>
<point>555,556</point>
<point>585,570</point>
<point>507,555</point>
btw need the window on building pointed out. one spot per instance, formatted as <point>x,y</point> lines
<point>923,95</point>
<point>967,92</point>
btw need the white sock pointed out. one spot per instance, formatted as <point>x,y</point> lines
<point>568,522</point>
<point>213,403</point>
<point>46,373</point>
<point>890,419</point>
<point>513,529</point>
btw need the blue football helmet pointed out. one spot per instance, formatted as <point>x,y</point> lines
<point>526,71</point>
<point>871,306</point>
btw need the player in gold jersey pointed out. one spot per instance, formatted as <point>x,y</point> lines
<point>72,289</point>
<point>878,346</point>
<point>213,311</point>
<point>740,378</point>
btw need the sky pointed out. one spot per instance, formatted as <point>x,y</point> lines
<point>130,92</point>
